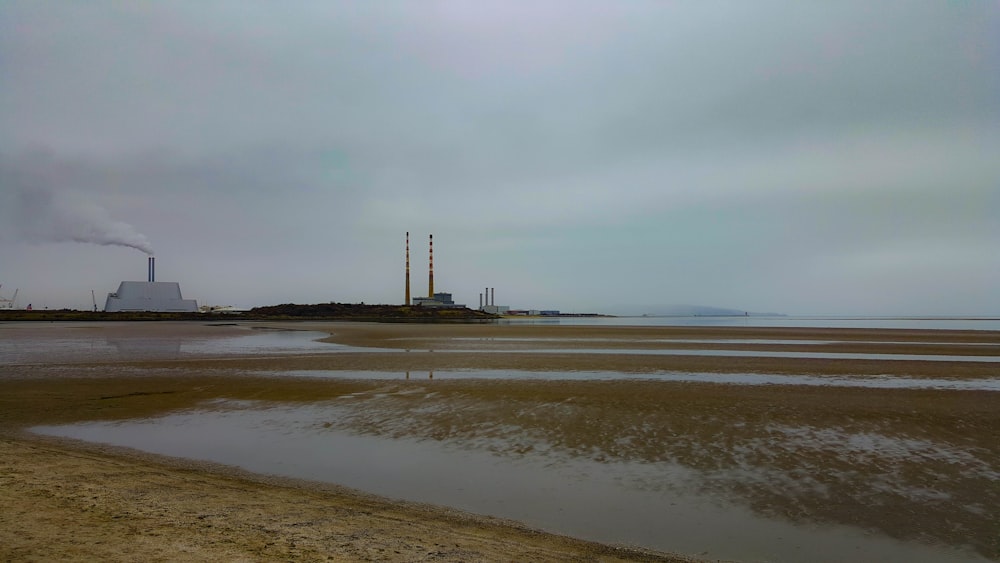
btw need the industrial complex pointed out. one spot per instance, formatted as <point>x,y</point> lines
<point>149,295</point>
<point>432,299</point>
<point>487,300</point>
<point>165,297</point>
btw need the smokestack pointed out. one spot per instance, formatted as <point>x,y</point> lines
<point>493,300</point>
<point>430,272</point>
<point>480,300</point>
<point>407,267</point>
<point>152,269</point>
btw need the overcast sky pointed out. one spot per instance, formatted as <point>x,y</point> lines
<point>796,157</point>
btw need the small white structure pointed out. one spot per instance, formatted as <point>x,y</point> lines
<point>149,296</point>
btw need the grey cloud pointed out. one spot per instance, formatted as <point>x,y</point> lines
<point>779,137</point>
<point>37,208</point>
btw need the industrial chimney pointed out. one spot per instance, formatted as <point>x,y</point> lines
<point>407,267</point>
<point>430,272</point>
<point>152,269</point>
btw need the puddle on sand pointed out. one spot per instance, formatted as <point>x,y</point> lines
<point>768,341</point>
<point>511,474</point>
<point>871,382</point>
<point>751,354</point>
<point>95,346</point>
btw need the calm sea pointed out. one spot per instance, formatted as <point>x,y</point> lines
<point>938,323</point>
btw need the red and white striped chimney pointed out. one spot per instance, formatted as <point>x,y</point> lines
<point>430,271</point>
<point>407,267</point>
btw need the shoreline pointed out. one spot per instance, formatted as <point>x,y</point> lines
<point>127,504</point>
<point>124,498</point>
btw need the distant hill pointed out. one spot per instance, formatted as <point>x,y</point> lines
<point>685,311</point>
<point>350,311</point>
<point>288,311</point>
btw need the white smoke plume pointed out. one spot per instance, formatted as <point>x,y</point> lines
<point>35,212</point>
<point>68,216</point>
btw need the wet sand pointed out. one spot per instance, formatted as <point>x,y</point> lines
<point>128,505</point>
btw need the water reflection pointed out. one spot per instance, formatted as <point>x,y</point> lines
<point>932,323</point>
<point>750,466</point>
<point>760,354</point>
<point>264,341</point>
<point>158,348</point>
<point>94,345</point>
<point>669,466</point>
<point>869,382</point>
<point>430,375</point>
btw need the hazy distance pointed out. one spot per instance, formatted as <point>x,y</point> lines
<point>838,158</point>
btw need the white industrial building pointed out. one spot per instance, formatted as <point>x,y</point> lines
<point>162,297</point>
<point>149,296</point>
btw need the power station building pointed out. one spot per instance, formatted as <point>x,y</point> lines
<point>151,295</point>
<point>439,300</point>
<point>443,300</point>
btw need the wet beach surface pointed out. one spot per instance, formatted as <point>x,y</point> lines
<point>717,456</point>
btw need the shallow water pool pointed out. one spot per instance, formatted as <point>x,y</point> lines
<point>675,504</point>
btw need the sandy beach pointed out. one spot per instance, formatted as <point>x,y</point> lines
<point>76,500</point>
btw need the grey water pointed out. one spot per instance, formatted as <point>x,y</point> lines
<point>868,382</point>
<point>935,323</point>
<point>95,346</point>
<point>660,505</point>
<point>755,354</point>
<point>775,341</point>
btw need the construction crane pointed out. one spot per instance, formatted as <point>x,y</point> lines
<point>8,303</point>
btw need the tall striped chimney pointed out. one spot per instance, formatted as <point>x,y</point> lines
<point>407,267</point>
<point>430,272</point>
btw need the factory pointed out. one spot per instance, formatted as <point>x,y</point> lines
<point>491,303</point>
<point>150,295</point>
<point>487,300</point>
<point>440,300</point>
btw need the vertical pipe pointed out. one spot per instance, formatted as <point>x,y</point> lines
<point>430,272</point>
<point>407,267</point>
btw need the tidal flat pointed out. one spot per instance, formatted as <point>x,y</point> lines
<point>569,430</point>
